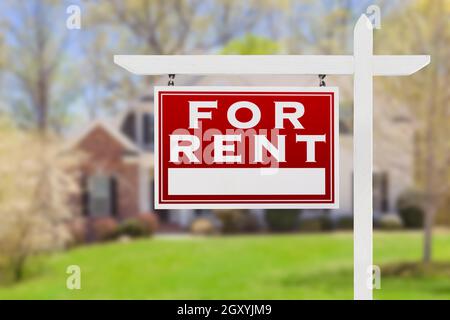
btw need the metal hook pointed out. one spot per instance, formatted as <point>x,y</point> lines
<point>171,80</point>
<point>322,80</point>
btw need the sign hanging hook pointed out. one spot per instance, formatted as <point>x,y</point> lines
<point>171,80</point>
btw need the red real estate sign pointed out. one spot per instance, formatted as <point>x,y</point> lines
<point>246,147</point>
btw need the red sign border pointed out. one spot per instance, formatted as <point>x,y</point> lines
<point>332,203</point>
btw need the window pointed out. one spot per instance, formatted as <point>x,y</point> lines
<point>101,196</point>
<point>138,127</point>
<point>380,192</point>
<point>148,130</point>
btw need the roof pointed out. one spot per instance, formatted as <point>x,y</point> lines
<point>113,131</point>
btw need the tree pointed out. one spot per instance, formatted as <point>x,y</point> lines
<point>324,27</point>
<point>424,27</point>
<point>164,27</point>
<point>40,85</point>
<point>251,44</point>
<point>38,180</point>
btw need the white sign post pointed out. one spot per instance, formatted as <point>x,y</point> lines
<point>363,65</point>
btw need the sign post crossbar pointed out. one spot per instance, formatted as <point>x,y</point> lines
<point>363,65</point>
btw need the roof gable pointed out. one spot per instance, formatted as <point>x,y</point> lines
<point>113,132</point>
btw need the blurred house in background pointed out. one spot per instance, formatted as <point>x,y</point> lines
<point>117,181</point>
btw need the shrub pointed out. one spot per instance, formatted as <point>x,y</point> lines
<point>282,219</point>
<point>203,227</point>
<point>78,231</point>
<point>311,225</point>
<point>133,227</point>
<point>316,224</point>
<point>236,221</point>
<point>327,222</point>
<point>105,228</point>
<point>344,223</point>
<point>409,206</point>
<point>390,222</point>
<point>149,221</point>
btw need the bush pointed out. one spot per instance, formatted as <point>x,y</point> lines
<point>78,231</point>
<point>105,228</point>
<point>345,223</point>
<point>316,224</point>
<point>327,222</point>
<point>237,221</point>
<point>311,225</point>
<point>279,220</point>
<point>409,206</point>
<point>134,227</point>
<point>390,222</point>
<point>203,227</point>
<point>149,222</point>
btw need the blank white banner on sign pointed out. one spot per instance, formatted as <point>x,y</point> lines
<point>246,181</point>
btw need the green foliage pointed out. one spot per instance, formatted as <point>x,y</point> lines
<point>390,222</point>
<point>344,223</point>
<point>311,225</point>
<point>251,44</point>
<point>409,206</point>
<point>108,228</point>
<point>416,270</point>
<point>149,222</point>
<point>133,227</point>
<point>279,220</point>
<point>45,81</point>
<point>38,182</point>
<point>316,224</point>
<point>315,266</point>
<point>78,231</point>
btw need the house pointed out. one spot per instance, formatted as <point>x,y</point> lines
<point>117,180</point>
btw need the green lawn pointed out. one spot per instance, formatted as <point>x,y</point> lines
<point>260,267</point>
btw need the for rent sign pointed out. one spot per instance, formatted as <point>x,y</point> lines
<point>246,147</point>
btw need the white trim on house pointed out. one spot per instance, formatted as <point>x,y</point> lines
<point>144,159</point>
<point>144,189</point>
<point>138,108</point>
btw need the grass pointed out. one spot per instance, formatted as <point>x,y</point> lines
<point>302,266</point>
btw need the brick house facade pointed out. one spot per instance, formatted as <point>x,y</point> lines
<point>105,157</point>
<point>117,178</point>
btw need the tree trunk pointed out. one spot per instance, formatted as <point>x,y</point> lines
<point>19,265</point>
<point>428,233</point>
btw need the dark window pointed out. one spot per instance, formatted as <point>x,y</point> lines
<point>385,192</point>
<point>380,192</point>
<point>101,196</point>
<point>148,130</point>
<point>129,126</point>
<point>114,196</point>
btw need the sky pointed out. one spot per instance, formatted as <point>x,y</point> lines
<point>76,39</point>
